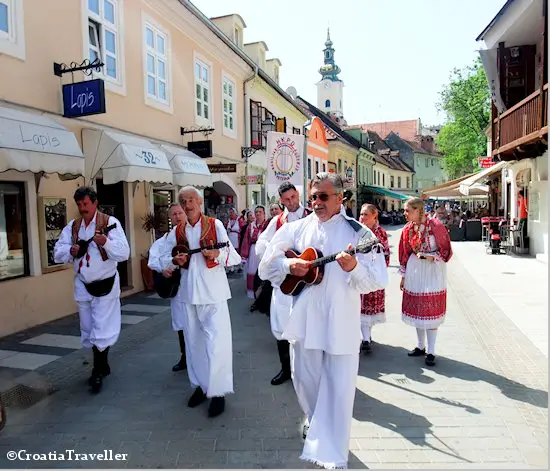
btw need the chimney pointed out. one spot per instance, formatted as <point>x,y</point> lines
<point>427,143</point>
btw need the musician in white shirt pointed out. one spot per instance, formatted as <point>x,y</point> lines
<point>281,303</point>
<point>95,272</point>
<point>324,324</point>
<point>233,232</point>
<point>203,293</point>
<point>176,215</point>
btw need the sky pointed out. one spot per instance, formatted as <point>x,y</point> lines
<point>395,55</point>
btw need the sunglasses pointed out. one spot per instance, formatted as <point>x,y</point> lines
<point>321,196</point>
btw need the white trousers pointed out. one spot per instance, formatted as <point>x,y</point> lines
<point>100,322</point>
<point>325,386</point>
<point>177,311</point>
<point>209,349</point>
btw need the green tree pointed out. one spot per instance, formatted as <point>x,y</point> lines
<point>466,103</point>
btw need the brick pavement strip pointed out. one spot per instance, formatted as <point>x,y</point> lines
<point>480,407</point>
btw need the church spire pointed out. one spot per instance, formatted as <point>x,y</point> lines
<point>330,70</point>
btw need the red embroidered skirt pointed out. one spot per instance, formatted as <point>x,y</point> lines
<point>425,294</point>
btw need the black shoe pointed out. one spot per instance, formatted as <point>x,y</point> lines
<point>217,406</point>
<point>305,430</point>
<point>430,360</point>
<point>181,365</point>
<point>282,377</point>
<point>197,398</point>
<point>417,352</point>
<point>366,347</point>
<point>96,382</point>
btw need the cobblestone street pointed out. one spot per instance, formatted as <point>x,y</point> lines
<point>484,405</point>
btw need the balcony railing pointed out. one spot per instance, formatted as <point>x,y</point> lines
<point>522,124</point>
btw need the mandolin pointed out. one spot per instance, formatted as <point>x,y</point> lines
<point>179,249</point>
<point>293,285</point>
<point>84,244</point>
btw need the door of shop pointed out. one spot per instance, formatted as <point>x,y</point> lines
<point>111,202</point>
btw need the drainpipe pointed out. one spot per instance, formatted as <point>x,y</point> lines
<point>246,119</point>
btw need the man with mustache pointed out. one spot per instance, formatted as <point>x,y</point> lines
<point>177,216</point>
<point>280,303</point>
<point>203,295</point>
<point>96,281</point>
<point>324,324</point>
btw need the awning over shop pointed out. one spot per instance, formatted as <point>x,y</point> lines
<point>124,158</point>
<point>188,168</point>
<point>386,192</point>
<point>466,187</point>
<point>35,143</point>
<point>453,191</point>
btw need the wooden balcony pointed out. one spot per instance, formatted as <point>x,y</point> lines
<point>522,131</point>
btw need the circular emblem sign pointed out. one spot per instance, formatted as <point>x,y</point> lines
<point>285,159</point>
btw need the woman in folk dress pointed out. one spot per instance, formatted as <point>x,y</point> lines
<point>373,305</point>
<point>424,250</point>
<point>248,248</point>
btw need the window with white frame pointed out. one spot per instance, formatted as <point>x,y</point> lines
<point>156,47</point>
<point>5,19</point>
<point>228,98</point>
<point>103,36</point>
<point>202,91</point>
<point>12,35</point>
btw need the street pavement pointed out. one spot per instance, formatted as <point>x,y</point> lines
<point>484,404</point>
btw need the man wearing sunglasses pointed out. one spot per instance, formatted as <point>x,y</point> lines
<point>324,323</point>
<point>280,304</point>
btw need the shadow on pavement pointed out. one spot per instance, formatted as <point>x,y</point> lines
<point>384,362</point>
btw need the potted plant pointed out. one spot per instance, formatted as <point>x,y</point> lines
<point>148,225</point>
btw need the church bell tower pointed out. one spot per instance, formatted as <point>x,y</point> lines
<point>330,88</point>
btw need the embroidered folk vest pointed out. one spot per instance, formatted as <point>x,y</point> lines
<point>281,219</point>
<point>102,221</point>
<point>208,237</point>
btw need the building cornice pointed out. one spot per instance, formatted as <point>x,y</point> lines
<point>176,14</point>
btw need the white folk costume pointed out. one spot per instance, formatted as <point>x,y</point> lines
<point>154,263</point>
<point>373,305</point>
<point>177,311</point>
<point>280,303</point>
<point>234,232</point>
<point>202,296</point>
<point>323,323</point>
<point>248,252</point>
<point>424,304</point>
<point>100,316</point>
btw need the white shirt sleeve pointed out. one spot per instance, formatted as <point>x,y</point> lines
<point>117,247</point>
<point>274,265</point>
<point>62,248</point>
<point>370,274</point>
<point>155,252</point>
<point>266,237</point>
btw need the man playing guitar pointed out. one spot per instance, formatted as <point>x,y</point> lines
<point>324,328</point>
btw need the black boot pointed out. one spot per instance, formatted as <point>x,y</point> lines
<point>284,356</point>
<point>100,370</point>
<point>217,406</point>
<point>182,364</point>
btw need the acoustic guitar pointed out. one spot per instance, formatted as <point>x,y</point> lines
<point>293,285</point>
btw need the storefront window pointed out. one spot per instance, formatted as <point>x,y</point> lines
<point>13,231</point>
<point>162,199</point>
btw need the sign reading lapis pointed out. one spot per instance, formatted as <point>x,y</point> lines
<point>84,98</point>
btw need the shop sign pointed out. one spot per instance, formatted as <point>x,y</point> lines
<point>222,168</point>
<point>83,98</point>
<point>251,180</point>
<point>485,162</point>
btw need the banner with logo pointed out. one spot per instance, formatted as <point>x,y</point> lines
<point>285,158</point>
<point>489,60</point>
